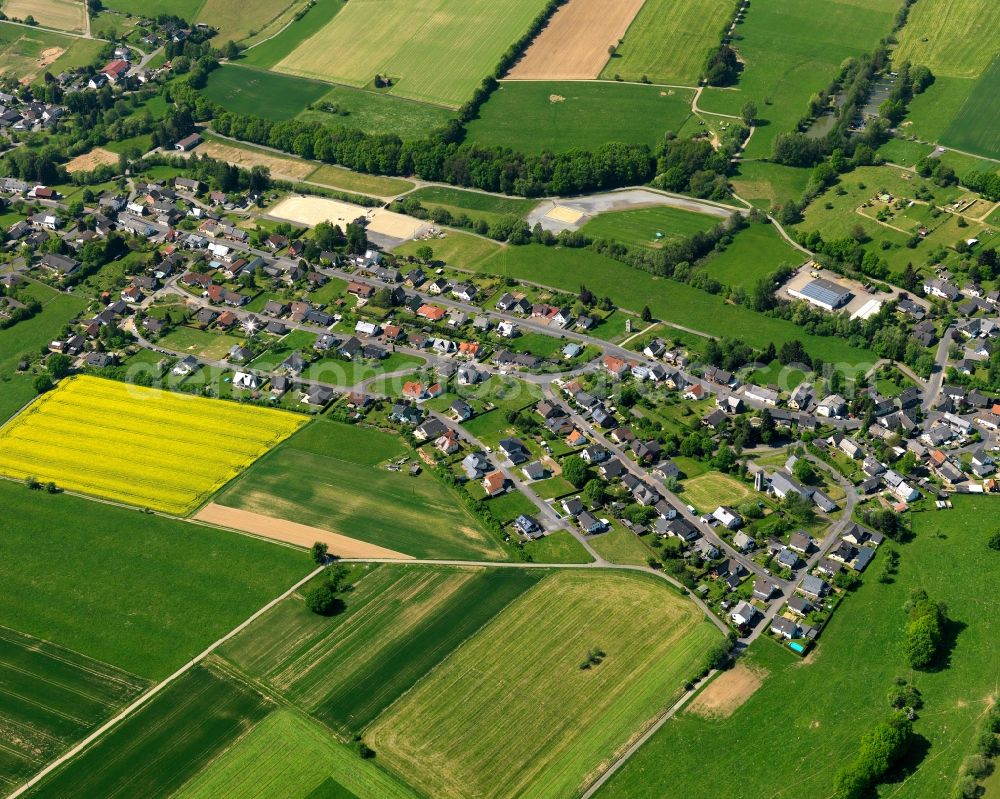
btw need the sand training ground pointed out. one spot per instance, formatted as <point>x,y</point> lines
<point>574,45</point>
<point>313,210</point>
<point>292,533</point>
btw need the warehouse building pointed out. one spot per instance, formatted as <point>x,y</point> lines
<point>823,294</point>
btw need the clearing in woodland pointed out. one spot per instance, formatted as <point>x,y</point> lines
<point>437,51</point>
<point>89,161</point>
<point>513,712</point>
<point>574,45</point>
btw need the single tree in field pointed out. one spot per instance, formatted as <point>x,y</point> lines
<point>647,315</point>
<point>318,552</point>
<point>749,112</point>
<point>425,253</point>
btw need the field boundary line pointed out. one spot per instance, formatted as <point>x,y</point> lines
<point>652,730</point>
<point>46,29</point>
<point>152,692</point>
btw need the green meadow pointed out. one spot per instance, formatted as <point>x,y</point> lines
<point>814,711</point>
<point>399,623</point>
<point>335,486</point>
<point>790,50</point>
<point>535,116</point>
<point>141,592</point>
<point>155,750</point>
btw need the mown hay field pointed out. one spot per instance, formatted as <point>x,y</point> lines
<point>141,446</point>
<point>67,15</point>
<point>436,51</point>
<point>511,713</point>
<point>948,37</point>
<point>399,623</point>
<point>158,748</point>
<point>669,40</point>
<point>574,45</point>
<point>706,492</point>
<point>51,698</point>
<point>290,755</point>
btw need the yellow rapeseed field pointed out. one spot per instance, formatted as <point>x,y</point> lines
<point>143,446</point>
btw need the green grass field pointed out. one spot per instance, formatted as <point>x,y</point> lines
<point>241,19</point>
<point>50,698</point>
<point>440,59</point>
<point>621,546</point>
<point>330,482</point>
<point>211,344</point>
<point>28,336</point>
<point>755,253</point>
<point>247,90</point>
<point>823,704</point>
<point>339,178</point>
<point>765,184</point>
<point>529,722</point>
<point>861,186</point>
<point>185,9</point>
<point>141,592</point>
<point>641,226</point>
<point>792,49</point>
<point>974,128</point>
<point>21,50</point>
<point>668,300</point>
<point>557,547</point>
<point>15,392</point>
<point>156,750</point>
<point>291,756</point>
<point>457,249</point>
<point>712,489</point>
<point>268,53</point>
<point>374,112</point>
<point>904,152</point>
<point>532,116</point>
<point>475,205</point>
<point>668,41</point>
<point>943,35</point>
<point>400,622</point>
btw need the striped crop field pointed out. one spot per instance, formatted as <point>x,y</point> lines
<point>143,446</point>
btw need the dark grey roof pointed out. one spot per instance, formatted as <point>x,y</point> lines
<point>825,291</point>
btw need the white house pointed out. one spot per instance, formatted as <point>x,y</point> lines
<point>246,380</point>
<point>727,517</point>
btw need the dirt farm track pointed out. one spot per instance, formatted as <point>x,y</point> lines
<point>574,45</point>
<point>292,533</point>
